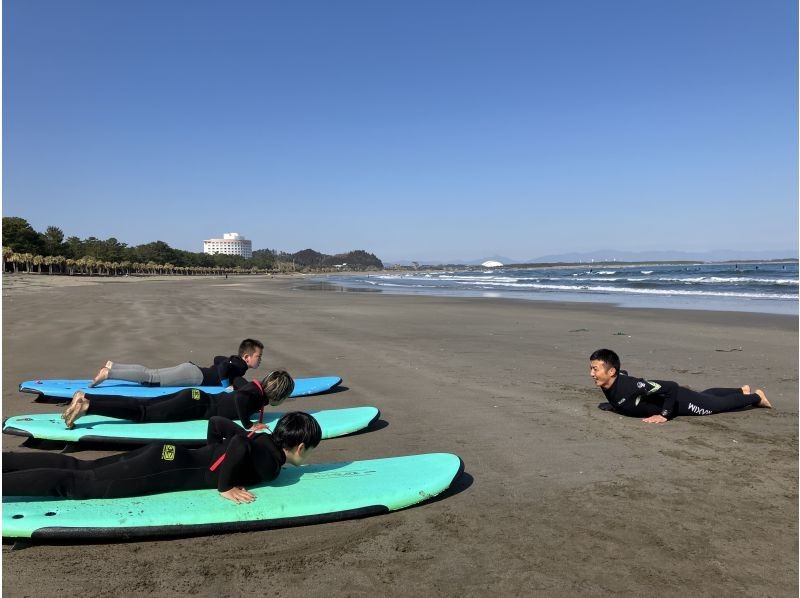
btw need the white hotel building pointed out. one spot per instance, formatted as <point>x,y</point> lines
<point>229,244</point>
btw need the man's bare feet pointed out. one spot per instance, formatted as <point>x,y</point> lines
<point>74,412</point>
<point>763,402</point>
<point>746,389</point>
<point>102,375</point>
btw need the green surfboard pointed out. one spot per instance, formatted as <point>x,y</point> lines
<point>98,428</point>
<point>299,496</point>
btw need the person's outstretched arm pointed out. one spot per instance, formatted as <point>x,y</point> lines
<point>238,450</point>
<point>668,391</point>
<point>243,410</point>
<point>637,397</point>
<point>230,368</point>
<point>220,428</point>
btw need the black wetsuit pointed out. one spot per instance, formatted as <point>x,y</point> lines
<point>642,398</point>
<point>184,405</point>
<point>224,371</point>
<point>151,469</point>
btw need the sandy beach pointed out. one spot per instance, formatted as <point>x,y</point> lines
<point>558,498</point>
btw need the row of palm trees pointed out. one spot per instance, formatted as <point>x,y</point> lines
<point>58,264</point>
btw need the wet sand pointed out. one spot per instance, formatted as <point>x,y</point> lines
<point>559,498</point>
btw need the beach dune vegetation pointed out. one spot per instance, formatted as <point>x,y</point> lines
<point>26,250</point>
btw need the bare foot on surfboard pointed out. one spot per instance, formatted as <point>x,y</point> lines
<point>79,394</point>
<point>102,375</point>
<point>75,411</point>
<point>746,389</point>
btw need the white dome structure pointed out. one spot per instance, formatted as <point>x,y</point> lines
<point>491,264</point>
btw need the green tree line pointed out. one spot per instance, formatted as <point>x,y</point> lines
<point>25,249</point>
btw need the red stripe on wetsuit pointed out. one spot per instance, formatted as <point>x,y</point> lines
<point>219,461</point>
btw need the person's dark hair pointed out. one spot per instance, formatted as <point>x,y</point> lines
<point>296,427</point>
<point>607,356</point>
<point>277,386</point>
<point>248,346</point>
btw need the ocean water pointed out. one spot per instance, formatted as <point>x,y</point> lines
<point>762,287</point>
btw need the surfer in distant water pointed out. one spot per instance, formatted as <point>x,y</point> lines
<point>231,460</point>
<point>222,373</point>
<point>658,401</point>
<point>188,404</point>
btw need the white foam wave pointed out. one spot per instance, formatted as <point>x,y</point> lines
<point>482,278</point>
<point>698,280</point>
<point>611,290</point>
<point>729,279</point>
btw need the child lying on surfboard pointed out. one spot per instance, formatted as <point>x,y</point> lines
<point>231,460</point>
<point>188,404</point>
<point>222,373</point>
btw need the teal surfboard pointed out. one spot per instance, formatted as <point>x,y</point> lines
<point>97,428</point>
<point>299,496</point>
<point>64,389</point>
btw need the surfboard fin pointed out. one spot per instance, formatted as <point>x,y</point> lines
<point>70,447</point>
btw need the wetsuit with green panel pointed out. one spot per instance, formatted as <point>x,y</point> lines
<point>643,398</point>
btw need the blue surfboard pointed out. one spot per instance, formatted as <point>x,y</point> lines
<point>98,428</point>
<point>299,496</point>
<point>64,389</point>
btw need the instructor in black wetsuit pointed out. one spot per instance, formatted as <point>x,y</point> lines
<point>658,401</point>
<point>231,460</point>
<point>189,403</point>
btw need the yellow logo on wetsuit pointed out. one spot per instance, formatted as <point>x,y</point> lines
<point>168,454</point>
<point>195,394</point>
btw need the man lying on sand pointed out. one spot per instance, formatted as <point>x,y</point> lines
<point>659,401</point>
<point>221,373</point>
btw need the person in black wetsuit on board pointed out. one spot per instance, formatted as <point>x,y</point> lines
<point>222,372</point>
<point>658,401</point>
<point>231,460</point>
<point>189,403</point>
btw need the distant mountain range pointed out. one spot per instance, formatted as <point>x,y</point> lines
<point>610,255</point>
<point>720,255</point>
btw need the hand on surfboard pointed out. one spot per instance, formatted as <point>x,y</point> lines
<point>238,495</point>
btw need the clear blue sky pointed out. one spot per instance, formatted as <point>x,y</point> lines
<point>414,129</point>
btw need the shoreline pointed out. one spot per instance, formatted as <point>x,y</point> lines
<point>784,307</point>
